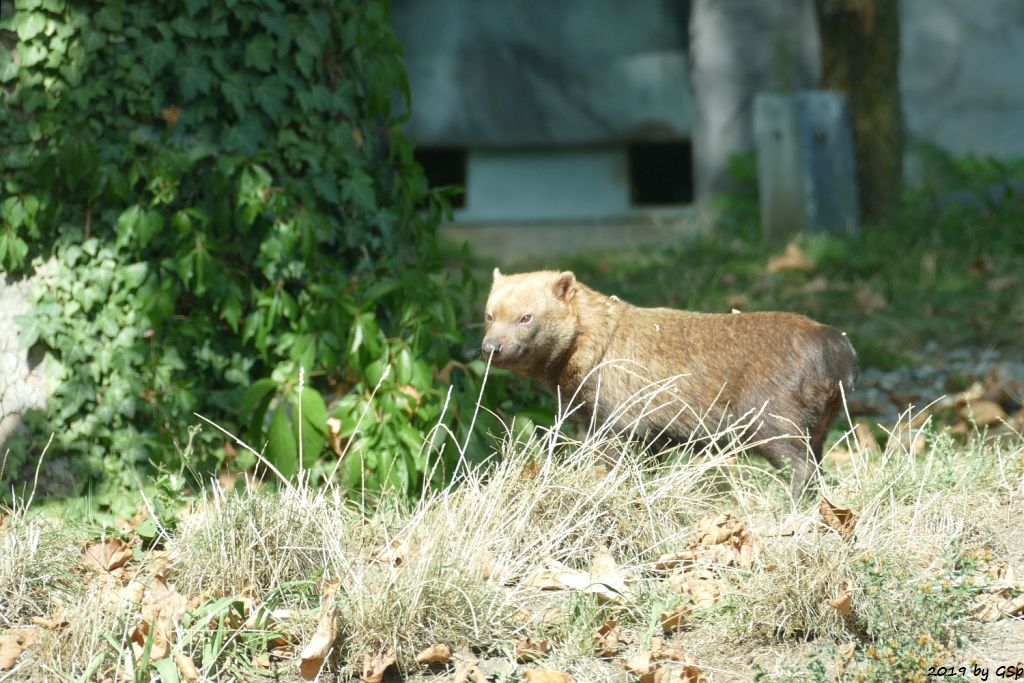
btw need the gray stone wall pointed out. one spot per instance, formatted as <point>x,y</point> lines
<point>22,385</point>
<point>962,74</point>
<point>489,73</point>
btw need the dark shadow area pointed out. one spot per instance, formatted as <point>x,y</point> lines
<point>444,166</point>
<point>661,173</point>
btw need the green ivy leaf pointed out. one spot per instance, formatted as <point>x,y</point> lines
<point>259,53</point>
<point>8,67</point>
<point>134,274</point>
<point>236,91</point>
<point>185,27</point>
<point>155,54</point>
<point>358,189</point>
<point>270,95</point>
<point>110,18</point>
<point>196,77</point>
<point>31,54</point>
<point>29,24</point>
<point>194,6</point>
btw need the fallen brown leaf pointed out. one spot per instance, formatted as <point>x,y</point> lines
<point>702,584</point>
<point>374,666</point>
<point>640,664</point>
<point>995,606</point>
<point>186,666</point>
<point>607,639</point>
<point>320,643</point>
<point>868,300</point>
<point>672,620</point>
<point>725,540</point>
<point>107,555</point>
<point>605,579</point>
<point>608,580</point>
<point>675,673</point>
<point>547,676</point>
<point>555,576</point>
<point>842,520</point>
<point>670,561</point>
<point>13,643</point>
<point>529,650</point>
<point>467,669</point>
<point>842,603</point>
<point>793,258</point>
<point>531,469</point>
<point>815,285</point>
<point>983,413</point>
<point>398,552</point>
<point>52,623</point>
<point>162,609</point>
<point>435,654</point>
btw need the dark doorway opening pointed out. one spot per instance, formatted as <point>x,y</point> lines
<point>444,166</point>
<point>661,173</point>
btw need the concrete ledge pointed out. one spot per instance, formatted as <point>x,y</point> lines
<point>541,243</point>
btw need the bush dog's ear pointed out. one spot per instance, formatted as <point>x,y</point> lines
<point>565,286</point>
<point>496,274</point>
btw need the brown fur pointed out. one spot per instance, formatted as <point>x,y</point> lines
<point>713,368</point>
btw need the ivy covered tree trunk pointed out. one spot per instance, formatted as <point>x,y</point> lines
<point>860,46</point>
<point>239,229</point>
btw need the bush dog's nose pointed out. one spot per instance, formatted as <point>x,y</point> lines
<point>490,346</point>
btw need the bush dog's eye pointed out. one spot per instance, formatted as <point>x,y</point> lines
<point>525,319</point>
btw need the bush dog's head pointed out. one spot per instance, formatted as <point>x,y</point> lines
<point>530,320</point>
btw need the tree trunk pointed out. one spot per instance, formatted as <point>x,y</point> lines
<point>860,46</point>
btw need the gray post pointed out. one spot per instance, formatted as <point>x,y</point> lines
<point>805,163</point>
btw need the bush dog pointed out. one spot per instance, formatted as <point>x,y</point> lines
<point>669,377</point>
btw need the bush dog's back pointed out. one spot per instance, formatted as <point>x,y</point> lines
<point>668,375</point>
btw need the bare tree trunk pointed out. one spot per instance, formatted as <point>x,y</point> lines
<point>737,49</point>
<point>860,44</point>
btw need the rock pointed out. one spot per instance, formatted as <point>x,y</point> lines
<point>22,386</point>
<point>868,401</point>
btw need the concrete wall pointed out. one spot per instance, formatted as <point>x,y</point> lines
<point>962,74</point>
<point>493,73</point>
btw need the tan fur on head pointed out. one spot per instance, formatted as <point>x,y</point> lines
<point>530,319</point>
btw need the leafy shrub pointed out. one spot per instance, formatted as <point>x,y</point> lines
<point>229,197</point>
